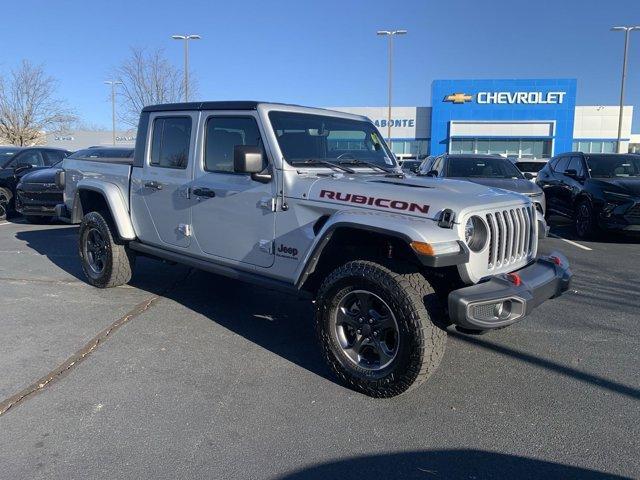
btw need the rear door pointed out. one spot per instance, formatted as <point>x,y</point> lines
<point>232,214</point>
<point>160,201</point>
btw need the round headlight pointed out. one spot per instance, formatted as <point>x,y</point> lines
<point>469,230</point>
<point>475,233</point>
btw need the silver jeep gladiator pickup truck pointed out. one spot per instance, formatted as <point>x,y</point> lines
<point>312,201</point>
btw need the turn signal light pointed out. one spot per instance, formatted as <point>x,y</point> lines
<point>423,248</point>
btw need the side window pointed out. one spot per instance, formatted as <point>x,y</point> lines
<point>222,135</point>
<point>561,165</point>
<point>170,142</point>
<point>30,157</point>
<point>53,156</point>
<point>576,164</point>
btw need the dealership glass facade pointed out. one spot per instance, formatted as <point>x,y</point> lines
<point>509,147</point>
<point>594,146</point>
<point>412,148</point>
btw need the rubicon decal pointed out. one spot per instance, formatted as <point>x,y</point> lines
<point>377,202</point>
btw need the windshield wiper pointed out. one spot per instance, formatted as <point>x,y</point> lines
<point>373,165</point>
<point>321,161</point>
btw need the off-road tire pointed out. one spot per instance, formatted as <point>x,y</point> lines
<point>37,219</point>
<point>585,231</point>
<point>416,308</point>
<point>119,260</point>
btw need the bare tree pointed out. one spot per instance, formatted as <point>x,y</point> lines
<point>147,79</point>
<point>29,107</point>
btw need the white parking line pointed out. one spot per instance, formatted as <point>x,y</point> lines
<point>570,242</point>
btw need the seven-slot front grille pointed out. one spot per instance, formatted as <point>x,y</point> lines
<point>512,235</point>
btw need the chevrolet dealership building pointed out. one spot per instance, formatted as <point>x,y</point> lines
<point>515,118</point>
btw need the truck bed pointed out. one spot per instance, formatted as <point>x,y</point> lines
<point>116,171</point>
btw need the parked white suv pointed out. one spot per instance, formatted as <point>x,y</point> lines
<point>312,202</point>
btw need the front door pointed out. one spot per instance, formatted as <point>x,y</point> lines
<point>232,214</point>
<point>160,192</point>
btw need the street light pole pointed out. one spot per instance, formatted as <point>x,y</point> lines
<point>186,39</point>
<point>626,30</point>
<point>390,34</point>
<point>113,84</point>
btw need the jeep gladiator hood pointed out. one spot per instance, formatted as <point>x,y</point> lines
<point>421,197</point>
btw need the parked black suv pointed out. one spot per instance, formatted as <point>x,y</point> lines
<point>597,191</point>
<point>25,160</point>
<point>37,193</point>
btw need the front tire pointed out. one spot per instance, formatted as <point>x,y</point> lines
<point>105,262</point>
<point>5,202</point>
<point>376,327</point>
<point>584,220</point>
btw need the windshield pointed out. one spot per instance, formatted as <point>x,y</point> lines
<point>613,166</point>
<point>531,167</point>
<point>482,168</point>
<point>6,153</point>
<point>304,137</point>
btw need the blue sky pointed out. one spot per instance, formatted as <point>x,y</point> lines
<point>326,52</point>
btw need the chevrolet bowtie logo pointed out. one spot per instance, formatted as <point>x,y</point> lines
<point>458,98</point>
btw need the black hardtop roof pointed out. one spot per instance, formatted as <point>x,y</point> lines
<point>221,105</point>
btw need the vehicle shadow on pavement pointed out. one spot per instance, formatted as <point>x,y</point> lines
<point>454,464</point>
<point>280,323</point>
<point>595,380</point>
<point>275,321</point>
<point>60,246</point>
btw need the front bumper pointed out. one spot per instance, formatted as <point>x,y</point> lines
<point>624,218</point>
<point>37,203</point>
<point>507,298</point>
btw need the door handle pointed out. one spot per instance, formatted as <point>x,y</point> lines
<point>153,184</point>
<point>204,192</point>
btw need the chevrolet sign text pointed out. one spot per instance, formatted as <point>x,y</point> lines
<point>533,98</point>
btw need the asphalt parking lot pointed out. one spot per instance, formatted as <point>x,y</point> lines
<point>182,374</point>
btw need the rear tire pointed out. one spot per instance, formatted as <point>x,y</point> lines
<point>106,262</point>
<point>384,364</point>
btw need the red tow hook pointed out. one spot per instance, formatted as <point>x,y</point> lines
<point>515,279</point>
<point>556,260</point>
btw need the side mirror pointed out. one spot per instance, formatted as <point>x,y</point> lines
<point>432,173</point>
<point>528,175</point>
<point>250,159</point>
<point>21,167</point>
